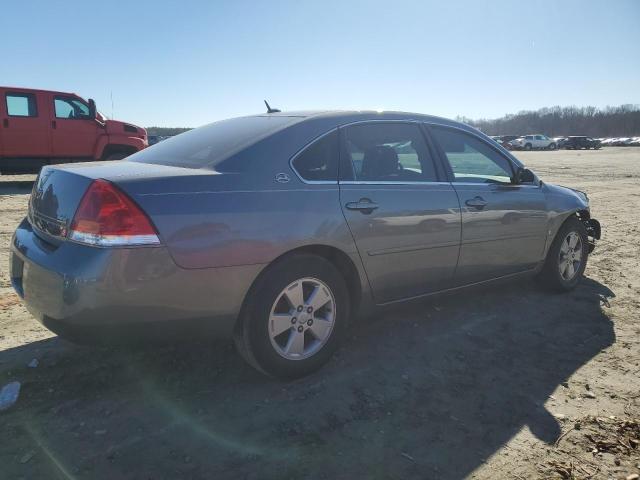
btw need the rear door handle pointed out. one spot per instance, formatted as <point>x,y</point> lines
<point>476,202</point>
<point>5,123</point>
<point>364,205</point>
<point>53,124</point>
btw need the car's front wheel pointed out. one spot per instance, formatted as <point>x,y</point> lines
<point>295,318</point>
<point>567,257</point>
<point>552,146</point>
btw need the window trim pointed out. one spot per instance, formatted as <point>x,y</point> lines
<point>21,94</point>
<point>441,175</point>
<point>449,170</point>
<point>304,149</point>
<point>71,97</point>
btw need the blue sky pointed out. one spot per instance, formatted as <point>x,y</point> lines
<point>187,63</point>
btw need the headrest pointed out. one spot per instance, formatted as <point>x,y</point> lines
<point>379,162</point>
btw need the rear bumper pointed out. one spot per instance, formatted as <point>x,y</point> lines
<point>121,294</point>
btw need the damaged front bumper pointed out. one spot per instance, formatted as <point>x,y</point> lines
<point>593,232</point>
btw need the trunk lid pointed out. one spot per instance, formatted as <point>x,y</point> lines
<point>59,189</point>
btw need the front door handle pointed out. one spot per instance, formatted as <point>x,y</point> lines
<point>54,125</point>
<point>476,202</point>
<point>5,123</point>
<point>364,205</point>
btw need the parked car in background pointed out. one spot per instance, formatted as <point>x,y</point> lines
<point>580,142</point>
<point>248,228</point>
<point>504,140</point>
<point>620,141</point>
<point>533,142</point>
<point>41,127</point>
<point>635,142</point>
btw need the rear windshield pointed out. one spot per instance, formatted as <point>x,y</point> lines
<point>211,145</point>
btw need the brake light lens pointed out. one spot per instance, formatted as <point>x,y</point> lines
<point>107,217</point>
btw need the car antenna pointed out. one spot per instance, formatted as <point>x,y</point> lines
<point>269,109</point>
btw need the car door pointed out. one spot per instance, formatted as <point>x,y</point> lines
<point>25,129</point>
<point>3,116</point>
<point>504,224</point>
<point>402,213</point>
<point>74,131</point>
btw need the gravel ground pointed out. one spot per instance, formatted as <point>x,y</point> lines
<point>502,382</point>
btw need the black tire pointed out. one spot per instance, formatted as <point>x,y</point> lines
<point>252,338</point>
<point>116,156</point>
<point>527,146</point>
<point>550,276</point>
<point>552,146</point>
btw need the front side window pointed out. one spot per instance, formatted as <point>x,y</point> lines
<point>69,107</point>
<point>319,161</point>
<point>471,159</point>
<point>391,152</point>
<point>21,105</point>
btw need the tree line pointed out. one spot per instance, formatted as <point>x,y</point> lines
<point>620,121</point>
<point>166,131</point>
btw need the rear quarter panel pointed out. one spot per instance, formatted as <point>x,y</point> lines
<point>221,219</point>
<point>217,228</point>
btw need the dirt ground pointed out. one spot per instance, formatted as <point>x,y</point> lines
<point>501,382</point>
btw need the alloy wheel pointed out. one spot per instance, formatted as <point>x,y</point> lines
<point>302,318</point>
<point>570,256</point>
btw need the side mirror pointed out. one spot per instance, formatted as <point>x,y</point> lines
<point>92,108</point>
<point>524,175</point>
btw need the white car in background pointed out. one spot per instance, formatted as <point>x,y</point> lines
<point>530,142</point>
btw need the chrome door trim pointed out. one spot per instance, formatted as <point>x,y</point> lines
<point>385,182</point>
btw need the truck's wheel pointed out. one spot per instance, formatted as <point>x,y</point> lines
<point>527,146</point>
<point>552,146</point>
<point>567,257</point>
<point>296,317</point>
<point>116,156</point>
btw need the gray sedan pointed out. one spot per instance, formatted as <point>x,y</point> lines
<point>277,229</point>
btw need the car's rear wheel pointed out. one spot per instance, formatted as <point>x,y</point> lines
<point>567,257</point>
<point>296,317</point>
<point>527,146</point>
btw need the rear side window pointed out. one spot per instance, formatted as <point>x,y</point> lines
<point>471,159</point>
<point>211,145</point>
<point>319,160</point>
<point>21,105</point>
<point>387,152</point>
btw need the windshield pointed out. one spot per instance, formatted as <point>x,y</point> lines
<point>210,145</point>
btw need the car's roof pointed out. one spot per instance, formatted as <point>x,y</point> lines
<point>339,114</point>
<point>343,117</point>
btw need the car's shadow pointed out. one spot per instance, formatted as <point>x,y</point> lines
<point>427,391</point>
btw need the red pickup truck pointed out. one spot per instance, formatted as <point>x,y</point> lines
<point>40,127</point>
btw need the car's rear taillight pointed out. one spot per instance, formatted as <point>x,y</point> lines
<point>107,217</point>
